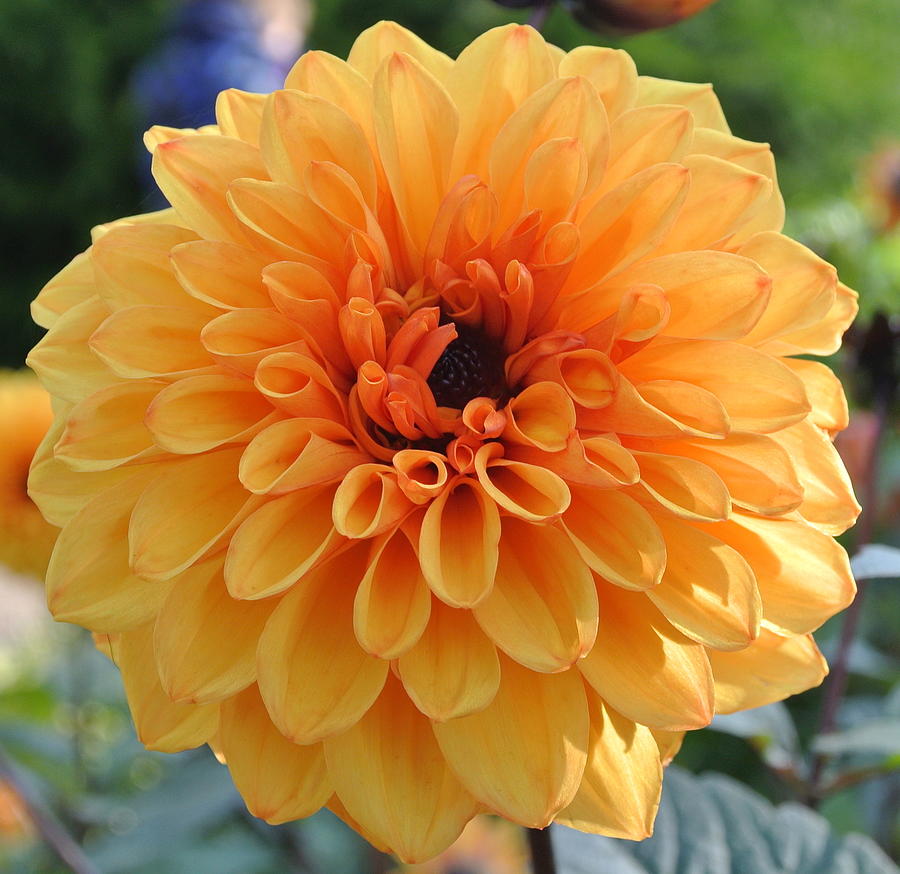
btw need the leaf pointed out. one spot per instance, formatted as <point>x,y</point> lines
<point>879,736</point>
<point>770,729</point>
<point>713,824</point>
<point>876,561</point>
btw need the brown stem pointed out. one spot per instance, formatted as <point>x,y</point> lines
<point>541,847</point>
<point>56,837</point>
<point>836,685</point>
<point>539,16</point>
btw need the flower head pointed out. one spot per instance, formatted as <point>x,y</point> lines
<point>26,540</point>
<point>635,15</point>
<point>444,448</point>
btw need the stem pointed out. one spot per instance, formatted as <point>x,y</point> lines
<point>539,16</point>
<point>541,847</point>
<point>54,835</point>
<point>840,669</point>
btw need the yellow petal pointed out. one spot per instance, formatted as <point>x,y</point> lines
<point>726,369</point>
<point>458,544</point>
<point>669,743</point>
<point>204,640</point>
<point>64,362</point>
<point>541,719</point>
<point>272,549</point>
<point>708,591</point>
<point>713,295</point>
<point>314,677</point>
<point>390,775</point>
<point>542,610</point>
<point>516,61</point>
<point>616,537</point>
<point>611,71</point>
<point>823,337</point>
<point>453,670</point>
<point>541,415</point>
<point>73,285</point>
<point>300,128</point>
<point>131,265</point>
<point>221,274</point>
<point>803,287</point>
<point>199,413</point>
<point>278,780</point>
<point>194,174</point>
<point>416,124</point>
<point>685,487</point>
<point>89,580</point>
<point>619,793</point>
<point>825,393</point>
<point>241,339</point>
<point>771,669</point>
<point>722,198</point>
<point>386,38</point>
<point>645,136</point>
<point>142,341</point>
<point>628,222</point>
<point>803,575</point>
<point>184,512</point>
<point>392,603</point>
<point>239,114</point>
<point>161,724</point>
<point>700,99</point>
<point>759,474</point>
<point>562,108</point>
<point>645,668</point>
<point>107,429</point>
<point>828,499</point>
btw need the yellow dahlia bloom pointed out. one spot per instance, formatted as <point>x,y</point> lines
<point>26,540</point>
<point>444,449</point>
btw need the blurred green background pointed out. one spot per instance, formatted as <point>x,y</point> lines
<point>818,80</point>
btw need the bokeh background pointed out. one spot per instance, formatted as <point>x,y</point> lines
<point>83,78</point>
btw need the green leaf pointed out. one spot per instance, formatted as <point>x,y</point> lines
<point>770,729</point>
<point>880,736</point>
<point>876,561</point>
<point>713,824</point>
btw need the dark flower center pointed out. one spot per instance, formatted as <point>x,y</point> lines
<point>471,367</point>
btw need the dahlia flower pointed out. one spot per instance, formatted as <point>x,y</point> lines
<point>26,540</point>
<point>444,449</point>
<point>635,15</point>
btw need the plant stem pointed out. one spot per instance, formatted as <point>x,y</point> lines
<point>836,685</point>
<point>541,847</point>
<point>54,835</point>
<point>539,16</point>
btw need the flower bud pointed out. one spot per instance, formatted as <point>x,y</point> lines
<point>631,16</point>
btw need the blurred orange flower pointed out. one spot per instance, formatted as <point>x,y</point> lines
<point>635,15</point>
<point>884,187</point>
<point>444,449</point>
<point>26,540</point>
<point>15,825</point>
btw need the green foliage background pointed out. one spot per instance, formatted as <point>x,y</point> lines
<point>818,80</point>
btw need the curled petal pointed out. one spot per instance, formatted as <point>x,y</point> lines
<point>593,461</point>
<point>527,491</point>
<point>296,384</point>
<point>686,487</point>
<point>298,453</point>
<point>587,375</point>
<point>542,415</point>
<point>422,474</point>
<point>369,501</point>
<point>458,543</point>
<point>241,339</point>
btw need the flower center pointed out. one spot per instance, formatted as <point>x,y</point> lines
<point>471,367</point>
